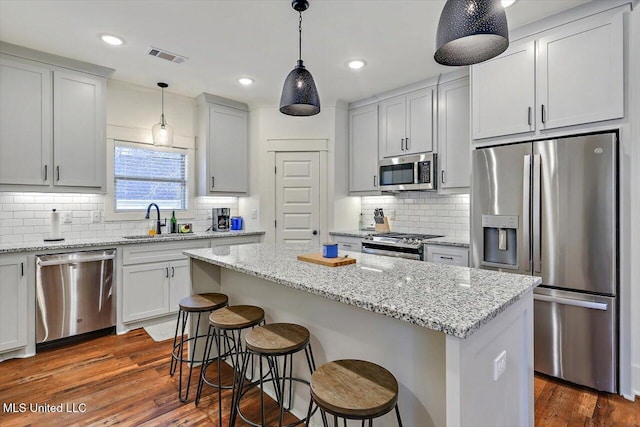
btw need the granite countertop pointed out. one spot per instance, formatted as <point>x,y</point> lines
<point>442,241</point>
<point>112,241</point>
<point>451,299</point>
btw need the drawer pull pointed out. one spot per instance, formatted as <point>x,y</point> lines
<point>447,257</point>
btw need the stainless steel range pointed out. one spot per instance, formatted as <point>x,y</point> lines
<point>401,245</point>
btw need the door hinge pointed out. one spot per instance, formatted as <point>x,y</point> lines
<point>275,223</point>
<point>275,170</point>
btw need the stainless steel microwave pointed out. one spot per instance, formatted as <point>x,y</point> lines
<point>408,173</point>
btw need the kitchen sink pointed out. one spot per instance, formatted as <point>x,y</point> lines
<point>146,236</point>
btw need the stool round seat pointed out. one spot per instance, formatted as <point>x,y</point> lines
<point>277,338</point>
<point>354,389</point>
<point>236,317</point>
<point>203,302</point>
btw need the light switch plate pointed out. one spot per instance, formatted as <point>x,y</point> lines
<point>499,365</point>
<point>254,213</point>
<point>95,216</point>
<point>67,217</point>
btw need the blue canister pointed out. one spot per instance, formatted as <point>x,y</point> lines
<point>236,223</point>
<point>330,250</point>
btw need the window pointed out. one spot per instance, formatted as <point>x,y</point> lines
<point>143,176</point>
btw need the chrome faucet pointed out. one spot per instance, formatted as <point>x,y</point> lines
<point>159,225</point>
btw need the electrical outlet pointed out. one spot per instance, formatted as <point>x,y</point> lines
<point>499,365</point>
<point>392,215</point>
<point>254,213</point>
<point>67,217</point>
<point>95,216</point>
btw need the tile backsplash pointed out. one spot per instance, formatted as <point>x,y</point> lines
<point>422,212</point>
<point>25,217</point>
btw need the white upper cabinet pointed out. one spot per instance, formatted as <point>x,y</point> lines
<point>504,92</point>
<point>580,73</point>
<point>454,139</point>
<point>570,75</point>
<point>53,121</point>
<point>26,123</point>
<point>223,146</point>
<point>406,124</point>
<point>363,149</point>
<point>78,130</point>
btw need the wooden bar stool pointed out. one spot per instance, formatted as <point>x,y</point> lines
<point>227,324</point>
<point>201,303</point>
<point>353,390</point>
<point>273,341</point>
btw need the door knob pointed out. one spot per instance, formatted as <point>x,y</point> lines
<point>315,232</point>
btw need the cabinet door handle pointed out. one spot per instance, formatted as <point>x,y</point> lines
<point>173,272</point>
<point>529,116</point>
<point>213,182</point>
<point>346,245</point>
<point>57,173</point>
<point>46,172</point>
<point>406,144</point>
<point>375,180</point>
<point>442,178</point>
<point>402,144</point>
<point>166,271</point>
<point>22,269</point>
<point>544,118</point>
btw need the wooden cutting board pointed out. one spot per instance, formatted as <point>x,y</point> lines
<point>329,262</point>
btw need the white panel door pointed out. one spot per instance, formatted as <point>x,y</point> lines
<point>13,302</point>
<point>180,285</point>
<point>454,139</point>
<point>25,123</point>
<point>298,197</point>
<point>392,127</point>
<point>79,144</point>
<point>363,149</point>
<point>228,155</point>
<point>419,132</point>
<point>580,74</point>
<point>145,289</point>
<point>503,92</point>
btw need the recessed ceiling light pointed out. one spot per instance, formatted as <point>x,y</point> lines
<point>507,3</point>
<point>356,64</point>
<point>245,81</point>
<point>111,39</point>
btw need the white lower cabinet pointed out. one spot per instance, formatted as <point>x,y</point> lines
<point>448,255</point>
<point>13,302</point>
<point>348,243</point>
<point>155,277</point>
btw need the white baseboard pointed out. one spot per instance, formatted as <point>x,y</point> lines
<point>635,381</point>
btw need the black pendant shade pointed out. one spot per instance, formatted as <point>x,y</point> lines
<point>299,94</point>
<point>471,31</point>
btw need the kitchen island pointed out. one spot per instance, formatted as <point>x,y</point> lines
<point>441,330</point>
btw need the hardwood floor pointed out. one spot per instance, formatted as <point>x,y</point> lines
<point>124,380</point>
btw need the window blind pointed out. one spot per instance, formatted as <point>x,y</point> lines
<point>146,175</point>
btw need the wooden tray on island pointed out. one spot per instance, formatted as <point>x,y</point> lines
<point>329,262</point>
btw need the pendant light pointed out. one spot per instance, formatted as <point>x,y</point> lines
<point>299,94</point>
<point>162,132</point>
<point>471,31</point>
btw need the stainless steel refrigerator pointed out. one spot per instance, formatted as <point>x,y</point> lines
<point>549,208</point>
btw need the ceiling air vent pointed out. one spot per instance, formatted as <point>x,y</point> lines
<point>163,54</point>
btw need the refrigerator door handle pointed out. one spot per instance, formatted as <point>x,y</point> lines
<point>576,303</point>
<point>536,214</point>
<point>526,208</point>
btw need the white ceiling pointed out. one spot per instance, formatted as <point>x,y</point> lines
<point>227,39</point>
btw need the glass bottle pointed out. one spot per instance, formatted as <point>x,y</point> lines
<point>174,222</point>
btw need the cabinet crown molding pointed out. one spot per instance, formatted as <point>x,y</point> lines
<point>50,59</point>
<point>215,99</point>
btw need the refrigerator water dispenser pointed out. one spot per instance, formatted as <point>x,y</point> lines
<point>500,241</point>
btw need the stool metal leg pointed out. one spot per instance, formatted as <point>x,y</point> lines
<point>172,368</point>
<point>398,415</point>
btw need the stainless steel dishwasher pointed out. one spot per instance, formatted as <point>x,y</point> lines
<point>74,294</point>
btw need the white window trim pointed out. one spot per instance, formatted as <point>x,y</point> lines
<point>110,213</point>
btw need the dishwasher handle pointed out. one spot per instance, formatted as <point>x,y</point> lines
<point>75,259</point>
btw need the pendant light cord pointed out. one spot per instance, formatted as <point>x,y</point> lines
<point>300,37</point>
<point>162,92</point>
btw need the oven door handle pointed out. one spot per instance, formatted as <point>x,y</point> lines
<point>390,253</point>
